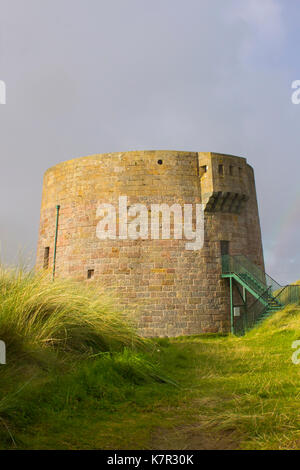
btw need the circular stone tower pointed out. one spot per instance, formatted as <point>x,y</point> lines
<point>178,291</point>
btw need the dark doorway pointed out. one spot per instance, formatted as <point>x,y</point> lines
<point>224,247</point>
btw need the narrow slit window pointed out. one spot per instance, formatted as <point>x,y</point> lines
<point>231,170</point>
<point>90,273</point>
<point>46,257</point>
<point>240,171</point>
<point>221,170</point>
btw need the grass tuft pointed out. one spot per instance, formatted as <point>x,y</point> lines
<point>38,314</point>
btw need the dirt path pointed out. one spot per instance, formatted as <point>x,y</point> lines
<point>192,437</point>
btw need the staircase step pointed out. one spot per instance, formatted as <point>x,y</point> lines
<point>256,281</point>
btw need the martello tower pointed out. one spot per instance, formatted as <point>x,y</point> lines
<point>178,291</point>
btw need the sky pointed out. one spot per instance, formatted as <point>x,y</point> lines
<point>96,76</point>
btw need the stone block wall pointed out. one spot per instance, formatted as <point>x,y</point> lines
<point>177,291</point>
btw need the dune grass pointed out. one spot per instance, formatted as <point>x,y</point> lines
<point>79,377</point>
<point>62,315</point>
<point>66,344</point>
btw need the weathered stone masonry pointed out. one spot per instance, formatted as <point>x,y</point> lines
<point>180,292</point>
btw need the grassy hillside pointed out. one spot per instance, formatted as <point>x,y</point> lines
<point>78,376</point>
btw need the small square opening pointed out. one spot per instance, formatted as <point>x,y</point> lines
<point>90,273</point>
<point>202,170</point>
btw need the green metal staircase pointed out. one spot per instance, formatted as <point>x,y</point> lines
<point>241,272</point>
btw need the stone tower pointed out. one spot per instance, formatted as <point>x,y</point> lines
<point>179,292</point>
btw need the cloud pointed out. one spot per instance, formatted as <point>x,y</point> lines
<point>262,24</point>
<point>88,77</point>
<point>264,16</point>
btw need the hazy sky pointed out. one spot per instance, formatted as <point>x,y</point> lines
<point>94,76</point>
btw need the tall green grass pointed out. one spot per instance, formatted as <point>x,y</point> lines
<point>38,314</point>
<point>66,343</point>
<point>79,376</point>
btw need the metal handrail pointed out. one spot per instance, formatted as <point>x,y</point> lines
<point>270,294</point>
<point>257,308</point>
<point>290,294</point>
<point>241,265</point>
